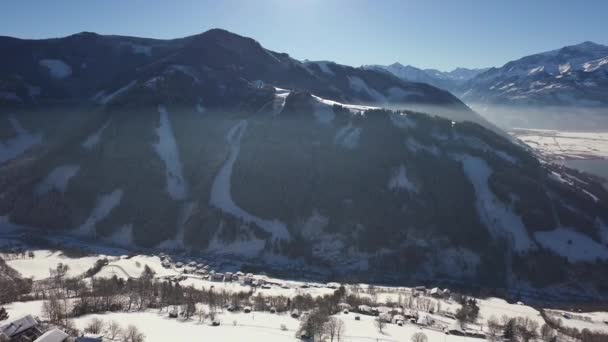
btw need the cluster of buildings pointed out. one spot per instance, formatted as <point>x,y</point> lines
<point>29,329</point>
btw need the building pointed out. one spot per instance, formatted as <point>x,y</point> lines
<point>25,328</point>
<point>90,338</point>
<point>53,335</point>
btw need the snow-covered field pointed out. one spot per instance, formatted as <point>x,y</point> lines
<point>565,145</point>
<point>38,267</point>
<point>168,153</point>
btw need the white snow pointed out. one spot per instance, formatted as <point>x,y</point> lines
<point>325,67</point>
<point>359,85</point>
<point>220,190</point>
<point>400,181</point>
<point>415,146</point>
<point>251,247</point>
<point>167,150</point>
<point>38,267</point>
<point>94,139</point>
<point>571,244</point>
<point>348,136</point>
<point>58,178</point>
<point>594,65</point>
<point>123,236</point>
<point>58,69</point>
<point>17,145</point>
<point>356,109</point>
<point>564,144</point>
<point>496,216</point>
<point>105,204</point>
<point>402,120</point>
<point>133,267</point>
<point>101,98</point>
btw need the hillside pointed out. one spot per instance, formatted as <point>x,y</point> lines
<point>216,145</point>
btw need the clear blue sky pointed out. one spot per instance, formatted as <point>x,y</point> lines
<point>441,34</point>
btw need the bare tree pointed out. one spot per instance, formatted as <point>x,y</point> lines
<point>95,326</point>
<point>495,329</point>
<point>335,329</point>
<point>419,337</point>
<point>547,333</point>
<point>380,324</point>
<point>526,328</point>
<point>114,329</point>
<point>132,334</point>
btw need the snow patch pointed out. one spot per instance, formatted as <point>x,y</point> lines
<point>166,148</point>
<point>122,237</point>
<point>105,204</point>
<point>359,85</point>
<point>571,244</point>
<point>16,146</point>
<point>101,98</point>
<point>94,139</point>
<point>220,190</point>
<point>400,181</point>
<point>348,136</point>
<point>58,69</point>
<point>496,216</point>
<point>58,179</point>
<point>414,146</point>
<point>356,109</point>
<point>402,120</point>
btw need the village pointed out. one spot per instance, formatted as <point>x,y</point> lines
<point>106,298</point>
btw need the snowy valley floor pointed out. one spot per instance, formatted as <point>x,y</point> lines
<point>266,326</point>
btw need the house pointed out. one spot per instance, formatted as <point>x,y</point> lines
<point>247,309</point>
<point>173,313</point>
<point>357,318</point>
<point>217,276</point>
<point>53,335</point>
<point>398,319</point>
<point>365,309</point>
<point>192,264</point>
<point>25,328</point>
<point>435,292</point>
<point>456,329</point>
<point>179,265</point>
<point>215,323</point>
<point>273,310</point>
<point>333,285</point>
<point>344,306</point>
<point>228,276</point>
<point>424,320</point>
<point>90,338</point>
<point>295,313</point>
<point>200,266</point>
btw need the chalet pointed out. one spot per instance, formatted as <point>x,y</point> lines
<point>424,320</point>
<point>192,264</point>
<point>90,338</point>
<point>53,335</point>
<point>25,328</point>
<point>273,310</point>
<point>239,274</point>
<point>344,306</point>
<point>456,329</point>
<point>247,309</point>
<point>365,309</point>
<point>333,285</point>
<point>173,313</point>
<point>179,265</point>
<point>200,266</point>
<point>420,289</point>
<point>436,292</point>
<point>228,276</point>
<point>399,320</point>
<point>215,323</point>
<point>201,272</point>
<point>217,276</point>
<point>345,311</point>
<point>166,264</point>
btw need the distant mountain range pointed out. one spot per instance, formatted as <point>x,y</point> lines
<point>213,144</point>
<point>448,80</point>
<point>571,76</point>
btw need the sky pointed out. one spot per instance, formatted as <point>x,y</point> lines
<point>441,34</point>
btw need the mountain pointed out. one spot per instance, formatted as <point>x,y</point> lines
<point>574,76</point>
<point>447,80</point>
<point>213,144</point>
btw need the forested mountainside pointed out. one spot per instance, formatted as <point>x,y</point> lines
<point>250,153</point>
